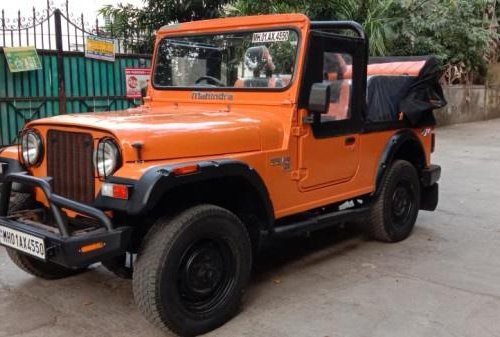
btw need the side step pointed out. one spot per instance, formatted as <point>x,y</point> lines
<point>321,221</point>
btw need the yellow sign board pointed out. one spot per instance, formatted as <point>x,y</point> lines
<point>100,48</point>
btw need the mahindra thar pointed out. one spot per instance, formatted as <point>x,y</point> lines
<point>251,128</point>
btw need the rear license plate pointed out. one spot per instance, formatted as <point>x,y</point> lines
<point>23,242</point>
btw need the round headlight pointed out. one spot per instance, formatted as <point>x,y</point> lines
<point>31,147</point>
<point>106,157</point>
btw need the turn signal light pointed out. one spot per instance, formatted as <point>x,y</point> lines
<point>116,191</point>
<point>179,171</point>
<point>91,247</point>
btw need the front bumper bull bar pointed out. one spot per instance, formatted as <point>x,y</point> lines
<point>65,248</point>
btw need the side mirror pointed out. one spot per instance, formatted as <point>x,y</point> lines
<point>319,98</point>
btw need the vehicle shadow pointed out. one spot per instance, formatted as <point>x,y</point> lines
<point>89,296</point>
<point>316,247</point>
<point>275,256</point>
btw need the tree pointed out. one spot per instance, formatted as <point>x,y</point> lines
<point>126,25</point>
<point>138,24</point>
<point>246,7</point>
<point>376,16</point>
<point>459,32</point>
<point>158,13</point>
<point>453,30</point>
<point>462,33</point>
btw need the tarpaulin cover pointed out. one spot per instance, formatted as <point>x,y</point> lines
<point>415,96</point>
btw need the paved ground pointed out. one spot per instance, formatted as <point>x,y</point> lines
<point>443,281</point>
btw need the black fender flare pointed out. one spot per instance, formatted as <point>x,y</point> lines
<point>395,143</point>
<point>155,182</point>
<point>13,166</point>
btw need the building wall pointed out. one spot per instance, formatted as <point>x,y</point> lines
<point>469,103</point>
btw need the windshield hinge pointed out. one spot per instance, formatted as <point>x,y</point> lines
<point>308,119</point>
<point>298,131</point>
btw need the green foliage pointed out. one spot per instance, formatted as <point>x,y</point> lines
<point>127,25</point>
<point>158,13</point>
<point>138,24</point>
<point>245,7</point>
<point>455,31</point>
<point>376,16</point>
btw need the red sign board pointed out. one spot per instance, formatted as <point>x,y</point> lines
<point>136,79</point>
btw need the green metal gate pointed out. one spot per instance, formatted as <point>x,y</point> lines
<point>68,82</point>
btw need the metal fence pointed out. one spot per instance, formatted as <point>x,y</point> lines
<point>68,82</point>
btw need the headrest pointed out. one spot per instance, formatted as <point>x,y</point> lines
<point>258,58</point>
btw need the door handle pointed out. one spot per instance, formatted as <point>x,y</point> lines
<point>350,141</point>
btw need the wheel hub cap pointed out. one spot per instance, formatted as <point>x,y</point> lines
<point>402,203</point>
<point>203,271</point>
<point>206,275</point>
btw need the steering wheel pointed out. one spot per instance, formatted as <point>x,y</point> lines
<point>211,79</point>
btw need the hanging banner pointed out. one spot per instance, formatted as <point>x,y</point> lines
<point>136,80</point>
<point>22,59</point>
<point>100,48</point>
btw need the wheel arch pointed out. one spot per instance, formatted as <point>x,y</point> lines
<point>230,184</point>
<point>403,145</point>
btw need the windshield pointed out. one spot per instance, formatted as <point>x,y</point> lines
<point>264,59</point>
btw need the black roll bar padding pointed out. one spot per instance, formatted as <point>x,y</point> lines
<point>55,201</point>
<point>83,209</point>
<point>349,25</point>
<point>358,29</point>
<point>47,190</point>
<point>5,190</point>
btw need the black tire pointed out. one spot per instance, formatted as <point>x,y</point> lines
<point>120,265</point>
<point>40,269</point>
<point>21,201</point>
<point>192,270</point>
<point>395,210</point>
<point>31,265</point>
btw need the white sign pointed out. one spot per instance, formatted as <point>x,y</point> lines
<point>26,243</point>
<point>276,36</point>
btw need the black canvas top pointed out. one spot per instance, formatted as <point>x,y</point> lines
<point>415,96</point>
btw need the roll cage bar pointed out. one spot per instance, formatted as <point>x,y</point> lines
<point>347,25</point>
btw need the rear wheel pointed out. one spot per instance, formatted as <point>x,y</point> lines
<point>395,211</point>
<point>191,272</point>
<point>31,265</point>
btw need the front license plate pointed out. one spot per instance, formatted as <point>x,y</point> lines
<point>23,242</point>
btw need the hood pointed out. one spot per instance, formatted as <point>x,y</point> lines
<point>175,133</point>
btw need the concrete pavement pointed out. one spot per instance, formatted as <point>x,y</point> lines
<point>443,281</point>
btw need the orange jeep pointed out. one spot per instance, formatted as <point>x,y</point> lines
<point>252,127</point>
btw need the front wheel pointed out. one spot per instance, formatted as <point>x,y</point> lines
<point>121,265</point>
<point>395,211</point>
<point>191,272</point>
<point>40,269</point>
<point>31,265</point>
